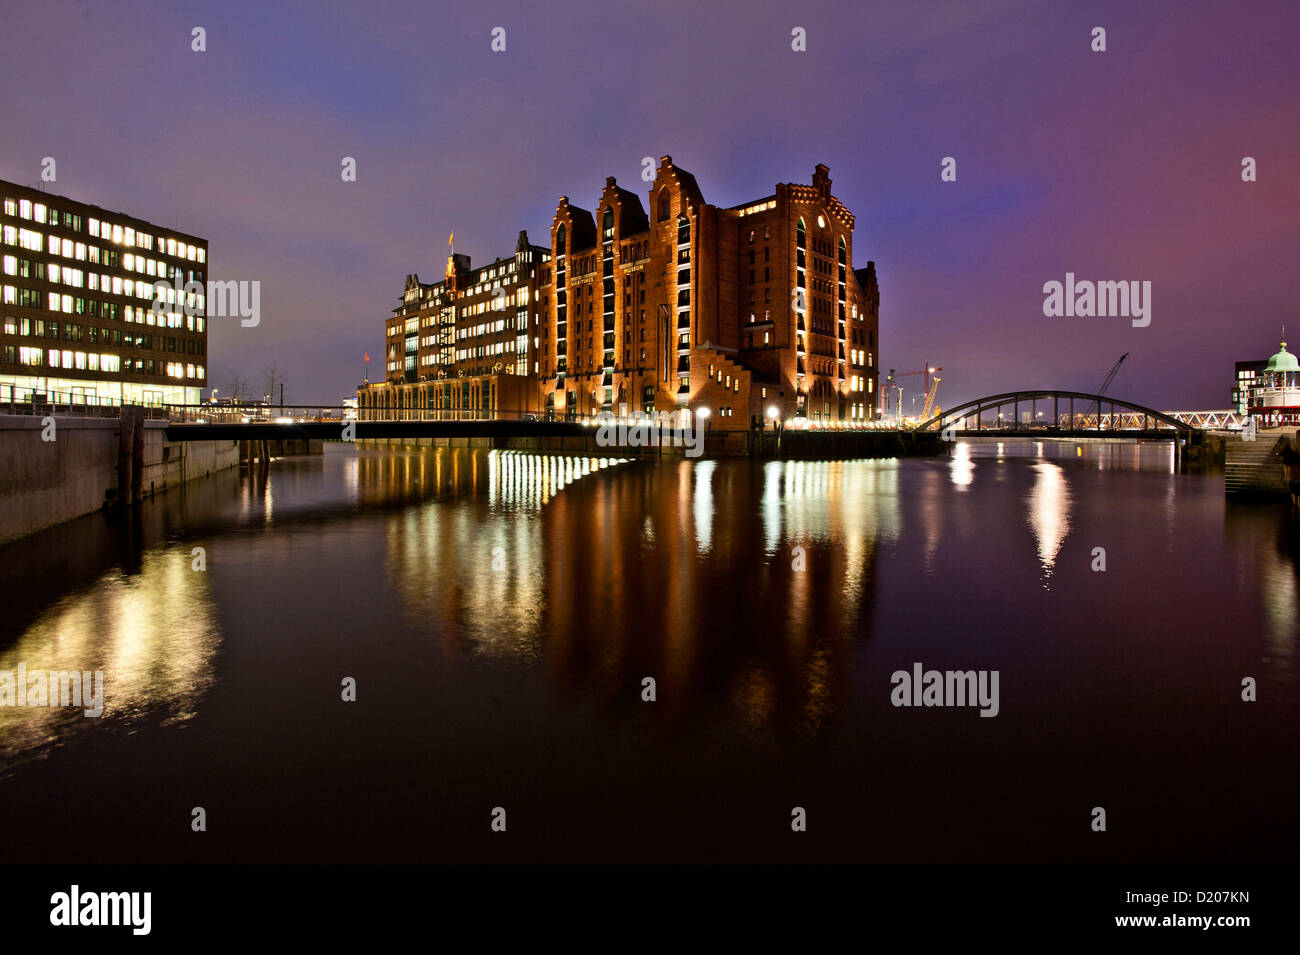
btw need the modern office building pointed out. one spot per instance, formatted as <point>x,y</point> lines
<point>1247,372</point>
<point>750,311</point>
<point>77,291</point>
<point>467,344</point>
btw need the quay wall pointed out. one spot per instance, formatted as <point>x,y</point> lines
<point>43,483</point>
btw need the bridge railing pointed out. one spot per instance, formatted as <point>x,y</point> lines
<point>1212,420</point>
<point>286,414</point>
<point>20,400</point>
<point>1047,411</point>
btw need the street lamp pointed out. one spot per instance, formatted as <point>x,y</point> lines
<point>773,412</point>
<point>703,414</point>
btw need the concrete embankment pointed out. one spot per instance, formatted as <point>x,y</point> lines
<point>50,475</point>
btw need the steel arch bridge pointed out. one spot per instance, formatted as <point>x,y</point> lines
<point>1048,414</point>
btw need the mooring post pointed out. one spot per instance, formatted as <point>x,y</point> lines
<point>137,453</point>
<point>124,444</point>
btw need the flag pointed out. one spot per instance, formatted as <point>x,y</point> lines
<point>451,241</point>
<point>367,358</point>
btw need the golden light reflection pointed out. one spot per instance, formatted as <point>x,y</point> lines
<point>961,467</point>
<point>470,558</point>
<point>152,634</point>
<point>703,472</point>
<point>1049,512</point>
<point>605,574</point>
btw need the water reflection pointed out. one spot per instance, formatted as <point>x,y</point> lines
<point>961,467</point>
<point>151,632</point>
<point>693,602</point>
<point>1270,577</point>
<point>501,610</point>
<point>469,562</point>
<point>1049,513</point>
<point>1103,454</point>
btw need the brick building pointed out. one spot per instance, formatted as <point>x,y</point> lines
<point>747,311</point>
<point>465,345</point>
<point>692,306</point>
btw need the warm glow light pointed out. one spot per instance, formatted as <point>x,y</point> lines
<point>772,412</point>
<point>702,413</point>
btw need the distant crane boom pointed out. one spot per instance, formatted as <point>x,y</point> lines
<point>1111,377</point>
<point>890,381</point>
<point>1096,405</point>
<point>929,398</point>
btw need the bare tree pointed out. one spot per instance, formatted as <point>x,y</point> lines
<point>272,379</point>
<point>238,387</point>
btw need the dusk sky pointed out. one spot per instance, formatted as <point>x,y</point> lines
<point>1122,165</point>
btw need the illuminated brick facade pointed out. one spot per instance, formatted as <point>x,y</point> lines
<point>745,311</point>
<point>692,306</point>
<point>467,343</point>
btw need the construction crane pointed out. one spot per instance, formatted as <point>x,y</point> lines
<point>928,370</point>
<point>929,398</point>
<point>1101,392</point>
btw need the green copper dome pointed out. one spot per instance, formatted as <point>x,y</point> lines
<point>1283,361</point>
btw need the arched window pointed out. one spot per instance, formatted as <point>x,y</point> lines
<point>559,239</point>
<point>607,224</point>
<point>843,251</point>
<point>800,255</point>
<point>664,204</point>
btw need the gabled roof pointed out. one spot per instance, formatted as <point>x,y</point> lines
<point>633,217</point>
<point>583,228</point>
